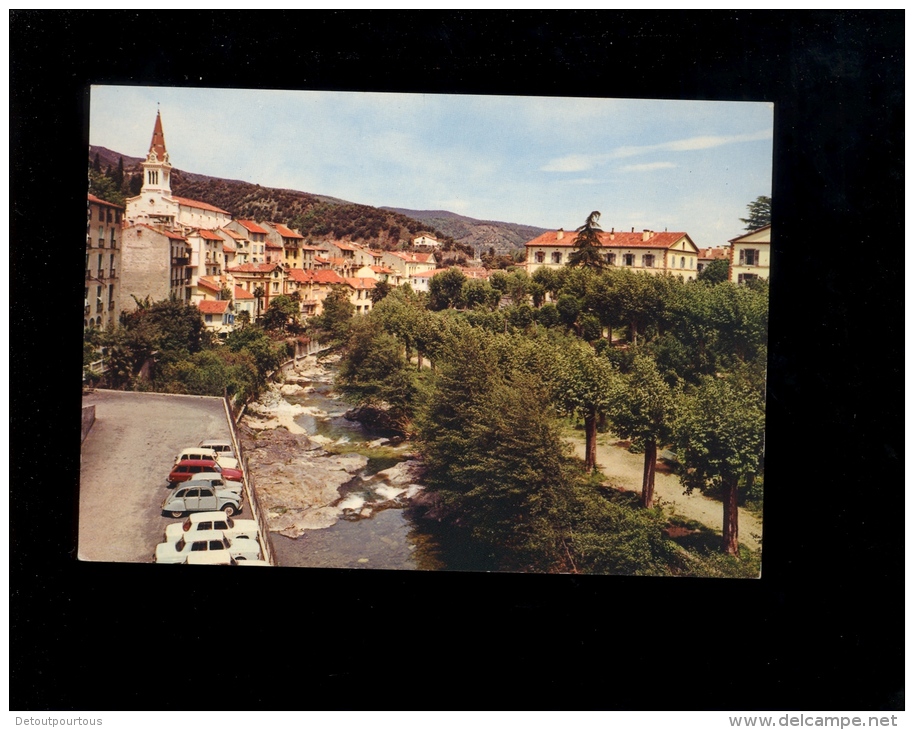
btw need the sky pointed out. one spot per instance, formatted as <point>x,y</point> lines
<point>688,166</point>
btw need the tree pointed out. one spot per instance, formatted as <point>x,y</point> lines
<point>720,436</point>
<point>759,213</point>
<point>645,411</point>
<point>282,314</point>
<point>381,290</point>
<point>259,293</point>
<point>587,247</point>
<point>715,272</point>
<point>445,290</point>
<point>585,383</point>
<point>495,460</point>
<point>337,314</point>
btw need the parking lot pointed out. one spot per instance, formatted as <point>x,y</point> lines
<point>125,461</point>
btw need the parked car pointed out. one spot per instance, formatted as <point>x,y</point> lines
<point>201,499</point>
<point>214,479</point>
<point>211,541</point>
<point>205,521</point>
<point>220,446</point>
<point>185,470</point>
<point>196,453</point>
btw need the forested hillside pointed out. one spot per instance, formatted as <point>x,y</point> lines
<point>504,238</point>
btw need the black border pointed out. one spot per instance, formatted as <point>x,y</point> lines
<point>823,628</point>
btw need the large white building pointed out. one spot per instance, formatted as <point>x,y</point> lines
<point>654,252</point>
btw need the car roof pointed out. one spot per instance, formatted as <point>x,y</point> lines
<point>196,462</point>
<point>191,449</point>
<point>204,516</point>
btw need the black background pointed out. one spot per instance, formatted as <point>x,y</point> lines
<point>822,629</point>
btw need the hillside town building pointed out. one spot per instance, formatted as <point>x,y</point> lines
<point>103,263</point>
<point>750,255</point>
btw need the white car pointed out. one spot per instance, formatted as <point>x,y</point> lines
<point>214,479</point>
<point>220,446</point>
<point>226,461</point>
<point>206,541</point>
<point>205,521</point>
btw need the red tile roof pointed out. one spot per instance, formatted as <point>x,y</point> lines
<point>713,253</point>
<point>361,282</point>
<point>242,293</point>
<point>286,232</point>
<point>207,234</point>
<point>749,233</point>
<point>381,269</point>
<point>321,260</point>
<point>255,268</point>
<point>230,232</point>
<point>617,239</point>
<point>207,283</point>
<point>99,201</point>
<point>210,306</point>
<point>227,247</point>
<point>277,246</point>
<point>197,204</point>
<point>251,226</point>
<point>321,276</point>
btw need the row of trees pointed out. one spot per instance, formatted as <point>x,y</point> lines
<point>645,355</point>
<point>165,347</point>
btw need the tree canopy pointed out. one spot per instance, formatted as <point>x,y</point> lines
<point>587,247</point>
<point>759,213</point>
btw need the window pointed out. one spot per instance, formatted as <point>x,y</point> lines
<point>611,259</point>
<point>745,278</point>
<point>556,257</point>
<point>539,257</point>
<point>629,259</point>
<point>682,262</point>
<point>647,261</point>
<point>748,257</point>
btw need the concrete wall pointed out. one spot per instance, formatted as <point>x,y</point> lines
<point>88,420</point>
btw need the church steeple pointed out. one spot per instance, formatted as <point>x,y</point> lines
<point>157,168</point>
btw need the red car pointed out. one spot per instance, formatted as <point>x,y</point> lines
<point>184,470</point>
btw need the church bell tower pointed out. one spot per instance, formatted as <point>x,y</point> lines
<point>157,168</point>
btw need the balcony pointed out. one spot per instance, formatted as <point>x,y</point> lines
<point>101,242</point>
<point>112,274</point>
<point>110,306</point>
<point>180,261</point>
<point>101,274</point>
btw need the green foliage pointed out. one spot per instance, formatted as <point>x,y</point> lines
<point>720,434</point>
<point>479,293</point>
<point>104,187</point>
<point>759,213</point>
<point>646,408</point>
<point>715,272</point>
<point>373,372</point>
<point>587,247</point>
<point>548,315</point>
<point>333,323</point>
<point>282,315</point>
<point>381,290</point>
<point>445,290</point>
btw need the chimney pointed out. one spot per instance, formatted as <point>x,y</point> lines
<point>633,229</point>
<point>646,234</point>
<point>560,234</point>
<point>612,234</point>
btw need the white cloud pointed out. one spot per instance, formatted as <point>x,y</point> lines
<point>692,143</point>
<point>569,163</point>
<point>647,167</point>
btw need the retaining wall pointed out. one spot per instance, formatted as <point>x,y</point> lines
<point>88,420</point>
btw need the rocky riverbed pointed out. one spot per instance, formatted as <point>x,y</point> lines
<point>309,477</point>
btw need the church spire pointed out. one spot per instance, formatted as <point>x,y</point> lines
<point>157,167</point>
<point>157,145</point>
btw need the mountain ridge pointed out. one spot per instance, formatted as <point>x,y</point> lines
<point>319,215</point>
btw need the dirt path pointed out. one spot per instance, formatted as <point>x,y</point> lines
<point>625,470</point>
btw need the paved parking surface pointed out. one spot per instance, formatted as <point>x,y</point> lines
<point>125,461</point>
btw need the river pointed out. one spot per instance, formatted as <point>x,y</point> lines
<point>340,501</point>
